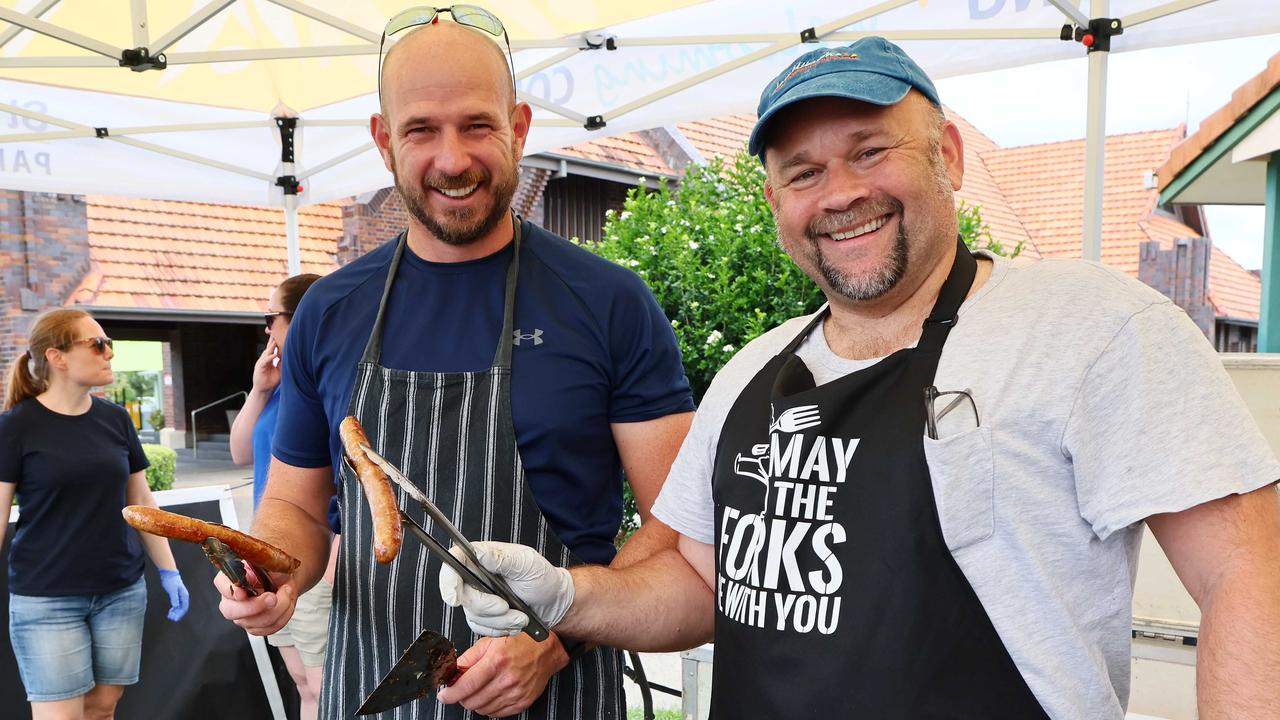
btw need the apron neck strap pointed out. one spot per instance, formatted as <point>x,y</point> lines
<point>954,290</point>
<point>502,356</point>
<point>373,348</point>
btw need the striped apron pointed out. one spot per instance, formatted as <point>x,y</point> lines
<point>452,434</point>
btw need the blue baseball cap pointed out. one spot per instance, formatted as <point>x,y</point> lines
<point>872,70</point>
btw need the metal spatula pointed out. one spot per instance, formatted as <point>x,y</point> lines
<point>430,662</point>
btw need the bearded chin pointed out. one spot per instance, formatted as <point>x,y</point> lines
<point>872,285</point>
<point>461,226</point>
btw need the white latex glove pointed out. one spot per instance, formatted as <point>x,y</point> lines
<point>547,589</point>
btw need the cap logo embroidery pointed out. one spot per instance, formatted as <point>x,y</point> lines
<point>816,61</point>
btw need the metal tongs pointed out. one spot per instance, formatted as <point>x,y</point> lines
<point>431,661</point>
<point>478,577</point>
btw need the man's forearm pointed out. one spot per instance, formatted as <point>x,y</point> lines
<point>653,537</point>
<point>658,605</point>
<point>298,533</point>
<point>1238,657</point>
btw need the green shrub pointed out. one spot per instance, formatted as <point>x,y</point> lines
<point>156,418</point>
<point>164,462</point>
<point>708,253</point>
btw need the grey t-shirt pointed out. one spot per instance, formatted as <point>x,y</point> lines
<point>1100,404</point>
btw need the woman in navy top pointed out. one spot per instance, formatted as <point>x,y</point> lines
<point>77,596</point>
<point>303,640</point>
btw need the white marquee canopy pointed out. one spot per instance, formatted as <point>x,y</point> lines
<point>90,110</point>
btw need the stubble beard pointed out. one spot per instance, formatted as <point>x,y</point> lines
<point>872,284</point>
<point>460,226</point>
<point>878,281</point>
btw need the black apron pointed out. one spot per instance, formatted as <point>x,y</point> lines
<point>836,594</point>
<point>452,434</point>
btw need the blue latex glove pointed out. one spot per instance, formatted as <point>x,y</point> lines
<point>179,599</point>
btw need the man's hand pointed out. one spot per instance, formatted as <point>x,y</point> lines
<point>547,589</point>
<point>261,615</point>
<point>505,675</point>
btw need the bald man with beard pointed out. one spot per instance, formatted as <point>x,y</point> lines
<point>523,443</point>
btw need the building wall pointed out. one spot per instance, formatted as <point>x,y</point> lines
<point>44,254</point>
<point>1181,273</point>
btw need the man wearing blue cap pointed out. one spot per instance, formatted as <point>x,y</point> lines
<point>926,500</point>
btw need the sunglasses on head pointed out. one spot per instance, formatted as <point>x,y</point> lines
<point>99,343</point>
<point>469,15</point>
<point>271,317</point>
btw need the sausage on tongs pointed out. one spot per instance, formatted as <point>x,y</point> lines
<point>388,533</point>
<point>223,546</point>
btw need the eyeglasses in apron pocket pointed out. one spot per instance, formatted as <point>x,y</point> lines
<point>962,471</point>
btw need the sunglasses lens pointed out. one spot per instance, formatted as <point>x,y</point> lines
<point>409,18</point>
<point>100,344</point>
<point>478,18</point>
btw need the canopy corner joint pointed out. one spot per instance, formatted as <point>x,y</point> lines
<point>1096,37</point>
<point>140,59</point>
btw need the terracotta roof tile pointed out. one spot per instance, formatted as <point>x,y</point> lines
<point>724,136</point>
<point>197,256</point>
<point>1212,127</point>
<point>628,150</point>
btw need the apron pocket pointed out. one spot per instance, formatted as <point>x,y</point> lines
<point>962,471</point>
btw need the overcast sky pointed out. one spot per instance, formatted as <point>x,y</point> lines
<point>1147,90</point>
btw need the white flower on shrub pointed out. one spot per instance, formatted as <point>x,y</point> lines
<point>714,337</point>
<point>693,245</point>
<point>727,348</point>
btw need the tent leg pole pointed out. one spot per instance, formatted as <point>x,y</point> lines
<point>1269,322</point>
<point>1095,151</point>
<point>291,230</point>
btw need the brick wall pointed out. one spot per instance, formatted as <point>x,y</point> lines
<point>44,254</point>
<point>1181,273</point>
<point>368,224</point>
<point>373,219</point>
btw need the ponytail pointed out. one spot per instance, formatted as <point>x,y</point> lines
<point>29,375</point>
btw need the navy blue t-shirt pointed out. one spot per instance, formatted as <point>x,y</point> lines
<point>71,472</point>
<point>592,347</point>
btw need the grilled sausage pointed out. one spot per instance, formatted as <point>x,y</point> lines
<point>180,527</point>
<point>388,533</point>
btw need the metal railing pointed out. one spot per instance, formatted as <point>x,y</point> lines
<point>195,439</point>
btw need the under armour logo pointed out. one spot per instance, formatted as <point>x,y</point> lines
<point>535,336</point>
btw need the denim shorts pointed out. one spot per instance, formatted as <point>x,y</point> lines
<point>66,644</point>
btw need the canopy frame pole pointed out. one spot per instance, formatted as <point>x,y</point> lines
<point>56,32</point>
<point>332,21</point>
<point>1095,153</point>
<point>291,229</point>
<point>337,160</point>
<point>1073,13</point>
<point>289,185</point>
<point>187,26</point>
<point>818,33</point>
<point>191,157</point>
<point>1269,322</point>
<point>35,12</point>
<point>138,17</point>
<point>1159,11</point>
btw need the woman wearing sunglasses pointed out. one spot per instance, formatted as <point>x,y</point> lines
<point>303,640</point>
<point>77,596</point>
